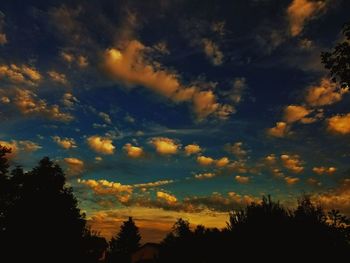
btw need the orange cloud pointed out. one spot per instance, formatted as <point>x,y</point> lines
<point>301,11</point>
<point>204,175</point>
<point>22,74</point>
<point>205,161</point>
<point>66,143</point>
<point>222,162</point>
<point>165,146</point>
<point>170,199</point>
<point>58,77</point>
<point>292,163</point>
<point>291,180</point>
<point>339,124</point>
<point>212,51</point>
<point>242,179</point>
<point>324,170</point>
<point>280,130</point>
<point>293,113</point>
<point>236,149</point>
<point>75,166</point>
<point>133,151</point>
<point>10,145</point>
<point>101,144</point>
<point>192,149</point>
<point>325,94</point>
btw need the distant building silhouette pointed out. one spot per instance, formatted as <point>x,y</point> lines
<point>148,253</point>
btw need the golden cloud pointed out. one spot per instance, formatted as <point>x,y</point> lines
<point>29,146</point>
<point>133,151</point>
<point>291,180</point>
<point>66,143</point>
<point>324,170</point>
<point>58,77</point>
<point>301,11</point>
<point>10,145</point>
<point>75,166</point>
<point>280,130</point>
<point>17,146</point>
<point>204,175</point>
<point>22,74</point>
<point>292,163</point>
<point>192,149</point>
<point>236,149</point>
<point>162,196</point>
<point>222,162</point>
<point>293,113</point>
<point>27,102</point>
<point>325,94</point>
<point>242,179</point>
<point>165,146</point>
<point>205,161</point>
<point>339,124</point>
<point>101,144</point>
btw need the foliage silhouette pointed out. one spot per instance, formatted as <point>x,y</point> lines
<point>124,243</point>
<point>338,59</point>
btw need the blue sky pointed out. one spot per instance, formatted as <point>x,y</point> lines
<point>166,109</point>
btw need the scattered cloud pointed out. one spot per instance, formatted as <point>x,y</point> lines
<point>201,176</point>
<point>101,144</point>
<point>293,113</point>
<point>192,149</point>
<point>66,143</point>
<point>280,130</point>
<point>205,161</point>
<point>339,124</point>
<point>170,199</point>
<point>291,180</point>
<point>69,100</point>
<point>212,51</point>
<point>324,170</point>
<point>236,149</point>
<point>300,12</point>
<point>133,151</point>
<point>242,179</point>
<point>20,74</point>
<point>105,117</point>
<point>58,77</point>
<point>222,162</point>
<point>3,37</point>
<point>29,146</point>
<point>75,166</point>
<point>292,163</point>
<point>165,146</point>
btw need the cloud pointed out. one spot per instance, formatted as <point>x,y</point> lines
<point>339,124</point>
<point>133,151</point>
<point>205,161</point>
<point>28,104</point>
<point>293,113</point>
<point>69,100</point>
<point>132,66</point>
<point>300,12</point>
<point>192,149</point>
<point>80,60</point>
<point>165,146</point>
<point>153,184</point>
<point>105,117</point>
<point>212,51</point>
<point>170,199</point>
<point>18,146</point>
<point>75,166</point>
<point>236,93</point>
<point>58,77</point>
<point>11,145</point>
<point>242,179</point>
<point>20,74</point>
<point>280,130</point>
<point>292,163</point>
<point>324,170</point>
<point>326,93</point>
<point>236,149</point>
<point>204,176</point>
<point>271,158</point>
<point>66,143</point>
<point>222,162</point>
<point>3,38</point>
<point>101,144</point>
<point>291,180</point>
<point>29,146</point>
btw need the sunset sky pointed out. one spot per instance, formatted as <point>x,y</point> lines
<point>164,109</point>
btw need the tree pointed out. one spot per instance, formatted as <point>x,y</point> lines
<point>124,243</point>
<point>338,59</point>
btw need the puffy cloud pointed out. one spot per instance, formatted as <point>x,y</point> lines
<point>5,100</point>
<point>242,179</point>
<point>239,86</point>
<point>205,161</point>
<point>170,199</point>
<point>222,162</point>
<point>271,158</point>
<point>22,74</point>
<point>212,51</point>
<point>291,180</point>
<point>280,130</point>
<point>325,94</point>
<point>324,170</point>
<point>98,159</point>
<point>133,151</point>
<point>165,146</point>
<point>131,66</point>
<point>192,149</point>
<point>69,100</point>
<point>105,117</point>
<point>68,57</point>
<point>75,166</point>
<point>28,103</point>
<point>277,172</point>
<point>293,113</point>
<point>236,149</point>
<point>10,145</point>
<point>17,146</point>
<point>292,163</point>
<point>339,124</point>
<point>80,60</point>
<point>101,144</point>
<point>66,143</point>
<point>29,146</point>
<point>204,175</point>
<point>301,11</point>
<point>58,77</point>
<point>238,167</point>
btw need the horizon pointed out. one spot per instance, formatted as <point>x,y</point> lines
<point>177,109</point>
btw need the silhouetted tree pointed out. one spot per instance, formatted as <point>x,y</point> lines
<point>124,243</point>
<point>338,59</point>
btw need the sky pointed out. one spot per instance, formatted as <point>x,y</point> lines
<point>165,109</point>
